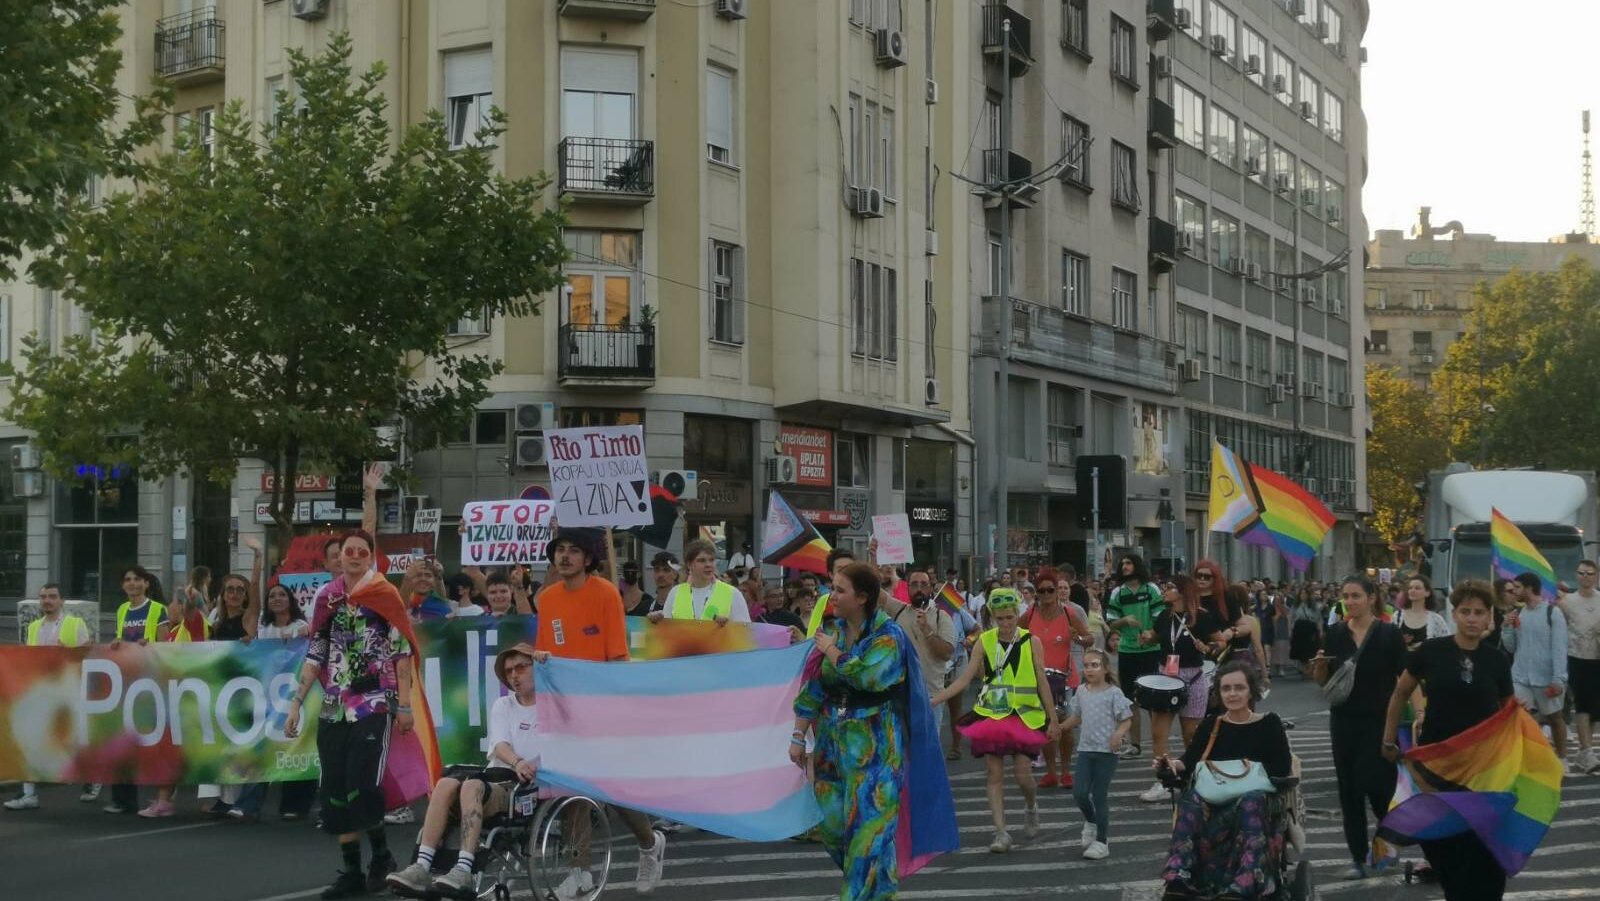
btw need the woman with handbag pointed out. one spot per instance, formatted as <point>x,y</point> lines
<point>1358,669</point>
<point>1188,635</point>
<point>1223,843</point>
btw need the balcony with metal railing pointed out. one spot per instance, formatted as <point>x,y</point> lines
<point>191,46</point>
<point>1163,134</point>
<point>607,356</point>
<point>616,10</point>
<point>1163,245</point>
<point>1160,18</point>
<point>608,170</point>
<point>1051,337</point>
<point>995,46</point>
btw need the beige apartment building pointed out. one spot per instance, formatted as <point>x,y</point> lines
<point>765,261</point>
<point>1420,286</point>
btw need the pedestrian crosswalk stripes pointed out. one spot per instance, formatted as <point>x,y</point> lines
<point>704,867</point>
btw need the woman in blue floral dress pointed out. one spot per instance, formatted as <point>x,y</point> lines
<point>874,740</point>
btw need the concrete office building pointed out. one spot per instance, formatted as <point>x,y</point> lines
<point>1179,281</point>
<point>757,273</point>
<point>1419,286</point>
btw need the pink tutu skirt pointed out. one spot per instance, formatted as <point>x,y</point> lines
<point>1001,737</point>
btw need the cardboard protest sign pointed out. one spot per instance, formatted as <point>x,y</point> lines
<point>505,532</point>
<point>598,476</point>
<point>893,531</point>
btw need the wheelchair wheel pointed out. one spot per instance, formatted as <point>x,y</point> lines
<point>571,839</point>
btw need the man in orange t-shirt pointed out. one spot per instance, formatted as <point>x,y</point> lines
<point>581,618</point>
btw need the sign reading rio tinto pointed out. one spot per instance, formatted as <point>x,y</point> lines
<point>813,450</point>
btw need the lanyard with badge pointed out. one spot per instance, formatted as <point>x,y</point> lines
<point>1179,629</point>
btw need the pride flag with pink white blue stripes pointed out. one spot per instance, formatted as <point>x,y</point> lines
<point>699,740</point>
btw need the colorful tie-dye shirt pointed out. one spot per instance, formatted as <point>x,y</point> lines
<point>357,651</point>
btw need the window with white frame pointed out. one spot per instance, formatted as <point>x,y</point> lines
<point>1224,137</point>
<point>1333,115</point>
<point>1075,25</point>
<point>855,141</point>
<point>1224,239</point>
<point>1310,91</point>
<point>1124,176</point>
<point>1282,83</point>
<point>727,293</point>
<point>1124,41</point>
<point>1310,13</point>
<point>1338,376</point>
<point>1189,115</point>
<point>1075,150</point>
<point>1333,201</point>
<point>1228,359</point>
<point>1313,370</point>
<point>1253,147</point>
<point>869,144</point>
<point>1311,189</point>
<point>1196,11</point>
<point>1222,24</point>
<point>1282,164</point>
<point>1124,299</point>
<point>886,148</point>
<point>875,310</point>
<point>1283,263</point>
<point>1257,358</point>
<point>1286,362</point>
<point>474,324</point>
<point>1074,282</point>
<point>1191,220</point>
<point>1258,247</point>
<point>1253,56</point>
<point>996,256</point>
<point>719,115</point>
<point>1335,21</point>
<point>1189,331</point>
<point>1336,286</point>
<point>468,95</point>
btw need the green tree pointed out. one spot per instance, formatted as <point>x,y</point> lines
<point>58,97</point>
<point>279,299</point>
<point>1404,445</point>
<point>1519,386</point>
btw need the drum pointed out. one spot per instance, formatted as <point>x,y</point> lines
<point>1057,681</point>
<point>1160,694</point>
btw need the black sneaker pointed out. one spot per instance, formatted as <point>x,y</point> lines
<point>378,873</point>
<point>350,884</point>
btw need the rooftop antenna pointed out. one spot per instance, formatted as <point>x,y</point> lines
<point>1586,202</point>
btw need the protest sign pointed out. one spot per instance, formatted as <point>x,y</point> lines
<point>427,520</point>
<point>505,532</point>
<point>303,587</point>
<point>598,476</point>
<point>893,531</point>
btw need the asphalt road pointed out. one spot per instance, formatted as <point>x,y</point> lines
<point>70,851</point>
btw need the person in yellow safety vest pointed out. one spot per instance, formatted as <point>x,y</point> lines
<point>55,628</point>
<point>704,596</point>
<point>138,620</point>
<point>838,559</point>
<point>1015,714</point>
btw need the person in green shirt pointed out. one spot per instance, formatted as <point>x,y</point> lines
<point>1131,614</point>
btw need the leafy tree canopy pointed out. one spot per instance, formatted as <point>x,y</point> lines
<point>1405,444</point>
<point>278,298</point>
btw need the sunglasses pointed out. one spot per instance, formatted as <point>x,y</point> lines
<point>1046,591</point>
<point>1203,575</point>
<point>515,668</point>
<point>357,553</point>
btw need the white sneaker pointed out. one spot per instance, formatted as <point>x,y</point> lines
<point>650,866</point>
<point>577,884</point>
<point>1090,834</point>
<point>1590,764</point>
<point>400,817</point>
<point>1155,793</point>
<point>1030,823</point>
<point>1096,851</point>
<point>91,794</point>
<point>22,802</point>
<point>1001,843</point>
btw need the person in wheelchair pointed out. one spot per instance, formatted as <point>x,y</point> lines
<point>469,795</point>
<point>1229,849</point>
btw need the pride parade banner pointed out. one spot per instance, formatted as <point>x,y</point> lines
<point>214,712</point>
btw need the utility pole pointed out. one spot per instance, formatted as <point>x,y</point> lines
<point>1002,406</point>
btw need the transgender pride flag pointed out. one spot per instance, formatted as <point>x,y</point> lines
<point>700,740</point>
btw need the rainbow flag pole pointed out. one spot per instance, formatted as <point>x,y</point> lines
<point>949,599</point>
<point>1512,554</point>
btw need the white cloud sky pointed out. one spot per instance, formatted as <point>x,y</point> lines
<point>1474,108</point>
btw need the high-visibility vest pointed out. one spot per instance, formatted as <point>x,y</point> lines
<point>152,619</point>
<point>719,604</point>
<point>1010,690</point>
<point>817,613</point>
<point>71,628</point>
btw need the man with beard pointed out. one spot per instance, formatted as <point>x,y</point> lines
<point>922,619</point>
<point>1131,612</point>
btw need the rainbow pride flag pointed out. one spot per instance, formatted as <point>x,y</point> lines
<point>791,540</point>
<point>700,740</point>
<point>1500,779</point>
<point>949,599</point>
<point>1513,554</point>
<point>1291,519</point>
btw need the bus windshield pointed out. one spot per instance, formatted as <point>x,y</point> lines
<point>1470,558</point>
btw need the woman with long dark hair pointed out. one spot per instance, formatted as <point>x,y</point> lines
<point>1365,778</point>
<point>873,729</point>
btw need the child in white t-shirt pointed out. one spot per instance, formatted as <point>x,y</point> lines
<point>1103,716</point>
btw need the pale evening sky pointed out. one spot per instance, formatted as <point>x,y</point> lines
<point>1474,108</point>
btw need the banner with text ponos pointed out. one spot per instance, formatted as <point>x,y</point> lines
<point>502,533</point>
<point>213,712</point>
<point>598,476</point>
